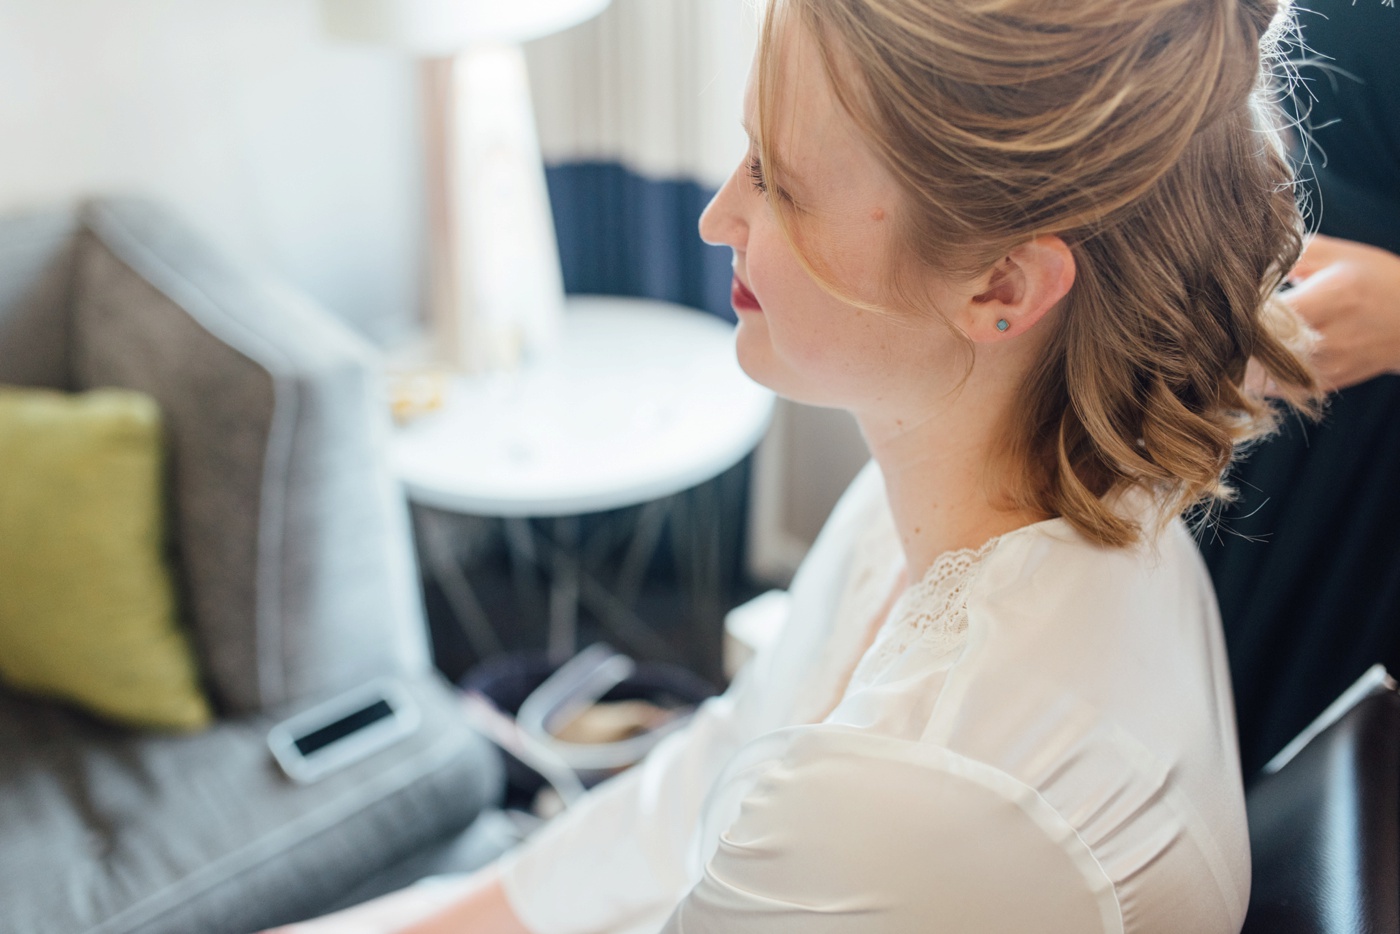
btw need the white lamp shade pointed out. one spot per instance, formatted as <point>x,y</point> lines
<point>443,27</point>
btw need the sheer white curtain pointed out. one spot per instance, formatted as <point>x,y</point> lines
<point>655,85</point>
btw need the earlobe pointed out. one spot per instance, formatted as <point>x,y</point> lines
<point>1021,289</point>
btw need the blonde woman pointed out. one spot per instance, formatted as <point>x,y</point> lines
<point>1031,245</point>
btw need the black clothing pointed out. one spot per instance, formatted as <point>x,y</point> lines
<point>1349,100</point>
<point>1307,563</point>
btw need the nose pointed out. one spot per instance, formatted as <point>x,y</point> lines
<point>723,222</point>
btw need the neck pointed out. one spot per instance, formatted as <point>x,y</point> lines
<point>942,474</point>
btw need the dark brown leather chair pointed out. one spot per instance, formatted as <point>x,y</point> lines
<point>1324,825</point>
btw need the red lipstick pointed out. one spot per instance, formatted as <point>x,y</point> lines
<point>741,298</point>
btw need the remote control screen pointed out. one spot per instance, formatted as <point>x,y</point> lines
<point>343,727</point>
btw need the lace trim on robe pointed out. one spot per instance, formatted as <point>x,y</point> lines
<point>931,613</point>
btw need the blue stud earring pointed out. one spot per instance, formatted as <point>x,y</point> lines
<point>1003,324</point>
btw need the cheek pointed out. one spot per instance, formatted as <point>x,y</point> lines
<point>807,344</point>
<point>769,262</point>
<point>850,256</point>
<point>805,324</point>
<point>793,303</point>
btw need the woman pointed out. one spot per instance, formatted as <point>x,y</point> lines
<point>1031,245</point>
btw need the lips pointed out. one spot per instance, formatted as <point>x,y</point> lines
<point>741,298</point>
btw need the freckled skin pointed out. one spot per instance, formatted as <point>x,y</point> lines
<point>808,344</point>
<point>902,372</point>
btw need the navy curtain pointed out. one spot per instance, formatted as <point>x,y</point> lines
<point>623,234</point>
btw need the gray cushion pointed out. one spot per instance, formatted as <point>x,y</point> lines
<point>106,832</point>
<point>36,260</point>
<point>297,574</point>
<point>294,551</point>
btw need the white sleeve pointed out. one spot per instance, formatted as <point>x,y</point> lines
<point>852,832</point>
<point>622,856</point>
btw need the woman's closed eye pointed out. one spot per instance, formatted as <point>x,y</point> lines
<point>759,180</point>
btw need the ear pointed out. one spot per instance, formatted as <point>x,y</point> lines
<point>1016,293</point>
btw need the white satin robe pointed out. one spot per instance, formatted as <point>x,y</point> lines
<point>1066,764</point>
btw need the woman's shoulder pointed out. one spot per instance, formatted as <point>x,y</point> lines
<point>846,820</point>
<point>1051,558</point>
<point>1098,678</point>
<point>1099,618</point>
<point>1130,630</point>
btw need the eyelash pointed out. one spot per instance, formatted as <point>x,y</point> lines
<point>755,168</point>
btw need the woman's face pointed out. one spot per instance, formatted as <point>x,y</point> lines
<point>793,336</point>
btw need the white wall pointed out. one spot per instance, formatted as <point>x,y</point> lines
<point>296,153</point>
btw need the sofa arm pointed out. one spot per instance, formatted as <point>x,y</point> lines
<point>292,544</point>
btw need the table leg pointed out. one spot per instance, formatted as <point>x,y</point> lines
<point>441,559</point>
<point>524,560</point>
<point>646,535</point>
<point>570,565</point>
<point>564,591</point>
<point>697,536</point>
<point>622,621</point>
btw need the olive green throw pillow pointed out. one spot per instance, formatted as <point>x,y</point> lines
<point>87,607</point>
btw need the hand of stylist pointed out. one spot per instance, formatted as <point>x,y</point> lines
<point>1350,294</point>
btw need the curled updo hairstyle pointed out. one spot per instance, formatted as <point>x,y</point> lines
<point>1141,133</point>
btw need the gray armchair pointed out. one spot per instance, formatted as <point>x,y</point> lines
<point>297,578</point>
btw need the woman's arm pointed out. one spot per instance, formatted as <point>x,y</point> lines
<point>474,903</point>
<point>482,910</point>
<point>861,833</point>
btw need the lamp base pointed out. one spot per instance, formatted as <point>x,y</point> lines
<point>496,292</point>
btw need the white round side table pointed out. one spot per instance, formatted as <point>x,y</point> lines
<point>641,400</point>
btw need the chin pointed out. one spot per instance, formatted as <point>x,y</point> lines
<point>755,354</point>
<point>754,351</point>
<point>760,367</point>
